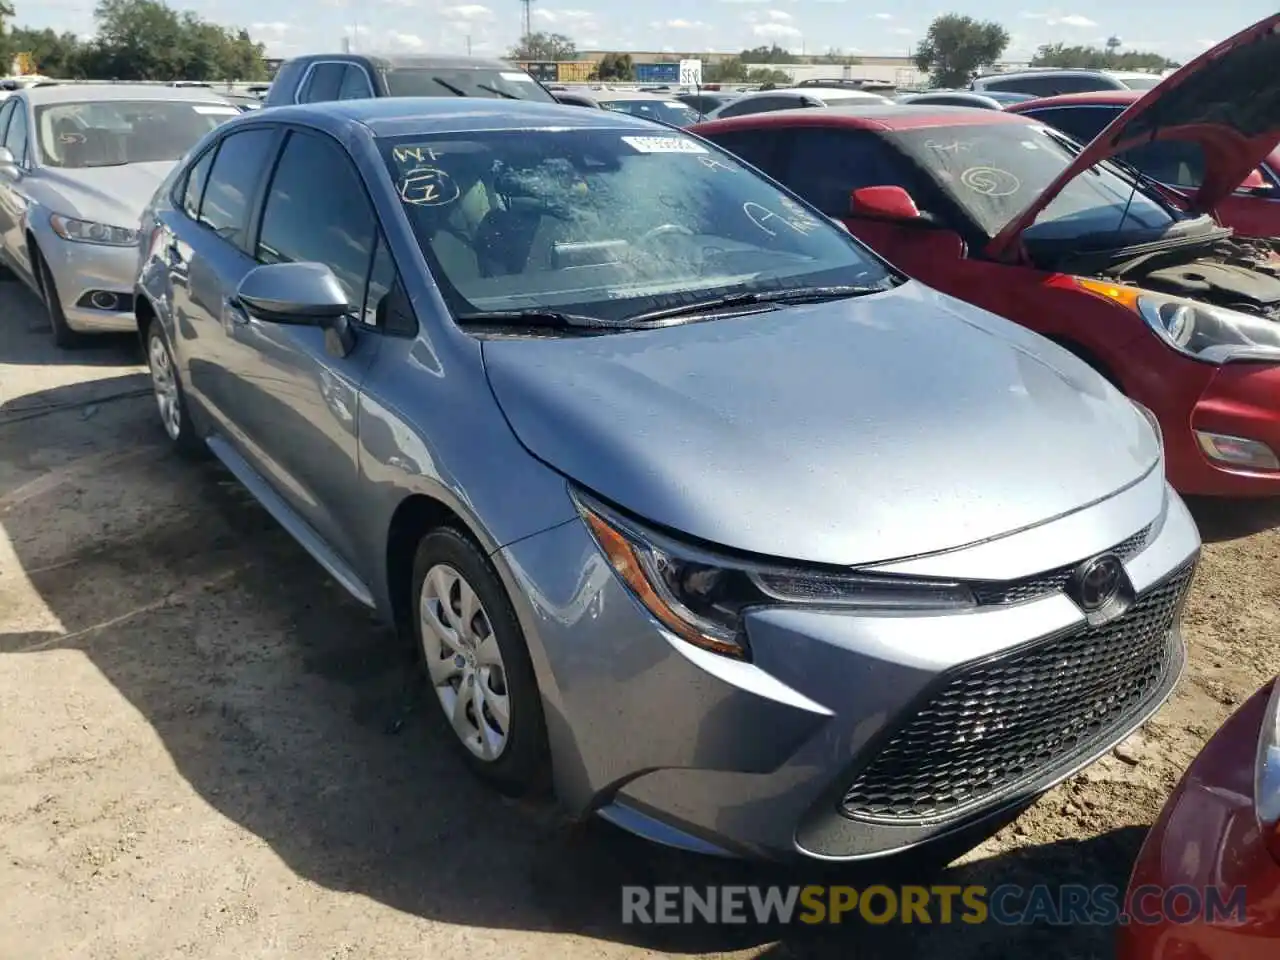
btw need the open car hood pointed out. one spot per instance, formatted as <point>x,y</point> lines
<point>1227,100</point>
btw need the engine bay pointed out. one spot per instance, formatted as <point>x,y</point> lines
<point>1238,274</point>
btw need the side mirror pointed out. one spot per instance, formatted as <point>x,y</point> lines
<point>1255,182</point>
<point>884,203</point>
<point>6,159</point>
<point>303,293</point>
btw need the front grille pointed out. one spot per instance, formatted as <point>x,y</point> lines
<point>1023,716</point>
<point>1052,581</point>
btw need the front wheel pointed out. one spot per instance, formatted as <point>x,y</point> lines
<point>63,335</point>
<point>170,400</point>
<point>477,664</point>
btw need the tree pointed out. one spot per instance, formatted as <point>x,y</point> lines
<point>735,70</point>
<point>1094,58</point>
<point>55,55</point>
<point>955,48</point>
<point>615,66</point>
<point>545,46</point>
<point>770,54</point>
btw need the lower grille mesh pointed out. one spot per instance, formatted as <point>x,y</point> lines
<point>1023,716</point>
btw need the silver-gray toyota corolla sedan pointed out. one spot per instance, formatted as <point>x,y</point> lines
<point>750,543</point>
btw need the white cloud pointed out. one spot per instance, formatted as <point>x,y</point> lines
<point>1072,20</point>
<point>678,24</point>
<point>467,13</point>
<point>404,41</point>
<point>882,16</point>
<point>554,16</point>
<point>775,31</point>
<point>1055,19</point>
<point>779,16</point>
<point>743,1</point>
<point>902,31</point>
<point>269,31</point>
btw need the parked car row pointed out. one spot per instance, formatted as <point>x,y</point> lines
<point>835,448</point>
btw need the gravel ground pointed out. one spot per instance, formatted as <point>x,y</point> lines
<point>209,751</point>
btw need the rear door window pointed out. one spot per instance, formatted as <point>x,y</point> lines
<point>323,83</point>
<point>241,164</point>
<point>196,179</point>
<point>355,84</point>
<point>758,147</point>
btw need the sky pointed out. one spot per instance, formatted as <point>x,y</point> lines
<point>874,27</point>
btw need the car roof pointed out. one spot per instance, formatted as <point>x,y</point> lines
<point>420,61</point>
<point>1118,97</point>
<point>822,93</point>
<point>80,92</point>
<point>406,116</point>
<point>868,116</point>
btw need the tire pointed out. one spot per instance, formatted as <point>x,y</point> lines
<point>63,335</point>
<point>488,660</point>
<point>171,402</point>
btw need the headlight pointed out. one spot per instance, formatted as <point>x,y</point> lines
<point>1212,334</point>
<point>86,231</point>
<point>1266,777</point>
<point>701,596</point>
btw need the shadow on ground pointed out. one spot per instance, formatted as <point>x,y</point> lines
<point>28,340</point>
<point>1220,518</point>
<point>293,714</point>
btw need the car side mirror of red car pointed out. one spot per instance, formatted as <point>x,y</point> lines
<point>1255,182</point>
<point>885,203</point>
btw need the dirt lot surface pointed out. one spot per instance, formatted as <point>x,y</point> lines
<point>207,750</point>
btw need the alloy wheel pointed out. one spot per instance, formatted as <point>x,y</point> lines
<point>464,662</point>
<point>164,382</point>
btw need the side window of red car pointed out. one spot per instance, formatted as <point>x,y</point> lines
<point>825,165</point>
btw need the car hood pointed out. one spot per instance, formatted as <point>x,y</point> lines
<point>1227,100</point>
<point>849,432</point>
<point>112,195</point>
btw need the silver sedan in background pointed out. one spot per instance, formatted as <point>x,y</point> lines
<point>78,164</point>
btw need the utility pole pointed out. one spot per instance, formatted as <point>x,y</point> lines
<point>528,20</point>
<point>468,44</point>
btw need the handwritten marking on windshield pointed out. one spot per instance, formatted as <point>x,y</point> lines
<point>416,154</point>
<point>797,218</point>
<point>991,181</point>
<point>715,163</point>
<point>428,187</point>
<point>954,147</point>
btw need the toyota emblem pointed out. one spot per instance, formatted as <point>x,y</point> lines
<point>1098,582</point>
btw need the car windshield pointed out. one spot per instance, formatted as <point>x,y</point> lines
<point>464,82</point>
<point>668,111</point>
<point>109,133</point>
<point>608,223</point>
<point>995,171</point>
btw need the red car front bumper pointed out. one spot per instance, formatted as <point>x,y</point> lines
<point>1207,842</point>
<point>1236,400</point>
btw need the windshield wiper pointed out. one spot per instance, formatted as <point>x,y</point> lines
<point>535,317</point>
<point>456,91</point>
<point>502,93</point>
<point>796,295</point>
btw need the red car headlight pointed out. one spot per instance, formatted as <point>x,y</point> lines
<point>1266,776</point>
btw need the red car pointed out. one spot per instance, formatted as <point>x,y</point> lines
<point>1252,209</point>
<point>1013,216</point>
<point>1206,885</point>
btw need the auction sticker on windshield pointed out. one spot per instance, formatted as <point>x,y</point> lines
<point>215,111</point>
<point>663,145</point>
<point>516,77</point>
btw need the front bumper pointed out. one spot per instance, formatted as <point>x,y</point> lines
<point>721,756</point>
<point>83,273</point>
<point>1241,400</point>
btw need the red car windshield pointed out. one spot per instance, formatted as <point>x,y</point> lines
<point>995,171</point>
